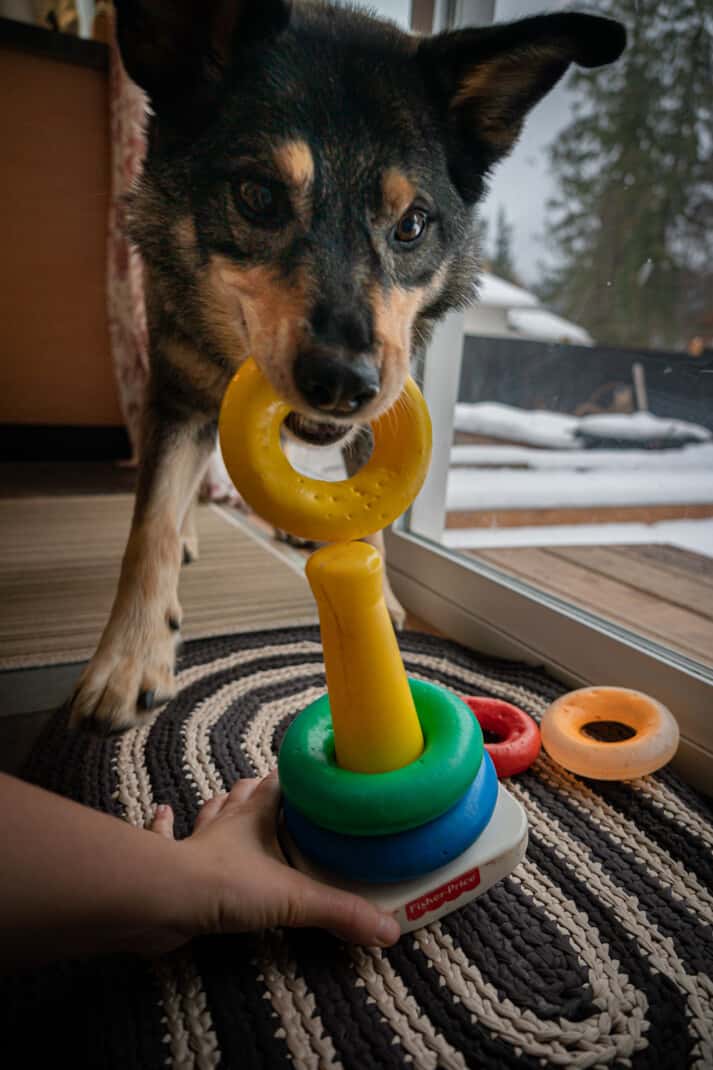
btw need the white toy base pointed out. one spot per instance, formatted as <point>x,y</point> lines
<point>418,902</point>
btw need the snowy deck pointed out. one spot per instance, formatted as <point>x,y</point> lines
<point>624,530</point>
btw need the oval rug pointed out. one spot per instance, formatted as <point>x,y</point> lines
<point>595,952</point>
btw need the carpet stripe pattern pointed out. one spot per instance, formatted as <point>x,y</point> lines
<point>595,952</point>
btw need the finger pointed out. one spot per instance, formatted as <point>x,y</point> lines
<point>163,821</point>
<point>268,789</point>
<point>266,803</point>
<point>243,789</point>
<point>249,786</point>
<point>210,810</point>
<point>348,916</point>
<point>264,796</point>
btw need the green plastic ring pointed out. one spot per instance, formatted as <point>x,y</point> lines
<point>379,804</point>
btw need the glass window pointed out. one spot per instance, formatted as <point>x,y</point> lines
<point>573,403</point>
<point>581,447</point>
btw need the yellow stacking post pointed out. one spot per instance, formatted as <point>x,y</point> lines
<point>376,727</point>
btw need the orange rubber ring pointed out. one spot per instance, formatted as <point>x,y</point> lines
<point>653,745</point>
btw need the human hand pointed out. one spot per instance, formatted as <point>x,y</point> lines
<point>236,877</point>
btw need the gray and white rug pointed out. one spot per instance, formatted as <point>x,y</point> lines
<point>596,952</point>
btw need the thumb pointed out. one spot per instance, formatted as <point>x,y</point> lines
<point>348,916</point>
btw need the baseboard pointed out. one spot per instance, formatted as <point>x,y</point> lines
<point>53,442</point>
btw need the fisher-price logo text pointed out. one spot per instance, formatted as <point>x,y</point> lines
<point>445,894</point>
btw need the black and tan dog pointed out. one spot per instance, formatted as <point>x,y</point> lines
<point>307,198</point>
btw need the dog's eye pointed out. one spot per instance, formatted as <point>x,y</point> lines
<point>258,200</point>
<point>411,226</point>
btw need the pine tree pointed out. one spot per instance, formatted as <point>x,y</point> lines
<point>502,263</point>
<point>632,224</point>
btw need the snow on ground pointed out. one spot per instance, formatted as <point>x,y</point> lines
<point>555,430</point>
<point>508,488</point>
<point>552,470</point>
<point>693,535</point>
<point>537,428</point>
<point>640,426</point>
<point>694,456</point>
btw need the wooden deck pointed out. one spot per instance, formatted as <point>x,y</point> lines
<point>662,592</point>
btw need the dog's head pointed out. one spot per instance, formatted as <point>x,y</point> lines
<point>312,173</point>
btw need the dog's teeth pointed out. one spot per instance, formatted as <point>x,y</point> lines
<point>314,432</point>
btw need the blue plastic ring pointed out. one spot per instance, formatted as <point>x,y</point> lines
<point>404,855</point>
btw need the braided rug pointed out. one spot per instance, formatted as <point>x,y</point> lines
<point>595,952</point>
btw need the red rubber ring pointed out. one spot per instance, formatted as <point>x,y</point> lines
<point>520,743</point>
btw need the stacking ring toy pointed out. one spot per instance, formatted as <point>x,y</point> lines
<point>374,804</point>
<point>386,859</point>
<point>385,779</point>
<point>519,742</point>
<point>655,741</point>
<point>250,420</point>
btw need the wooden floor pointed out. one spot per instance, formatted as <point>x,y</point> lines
<point>59,566</point>
<point>662,592</point>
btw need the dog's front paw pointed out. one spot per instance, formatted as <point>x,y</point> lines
<point>131,672</point>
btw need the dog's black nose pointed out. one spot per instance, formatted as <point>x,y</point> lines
<point>340,386</point>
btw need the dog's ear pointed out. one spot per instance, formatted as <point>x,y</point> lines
<point>177,49</point>
<point>487,79</point>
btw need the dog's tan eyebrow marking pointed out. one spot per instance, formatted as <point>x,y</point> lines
<point>398,192</point>
<point>296,164</point>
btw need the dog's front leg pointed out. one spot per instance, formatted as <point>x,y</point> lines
<point>133,666</point>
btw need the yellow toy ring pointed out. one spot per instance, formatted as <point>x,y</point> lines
<point>250,420</point>
<point>655,741</point>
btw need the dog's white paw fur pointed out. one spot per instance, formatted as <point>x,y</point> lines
<point>133,668</point>
<point>131,672</point>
